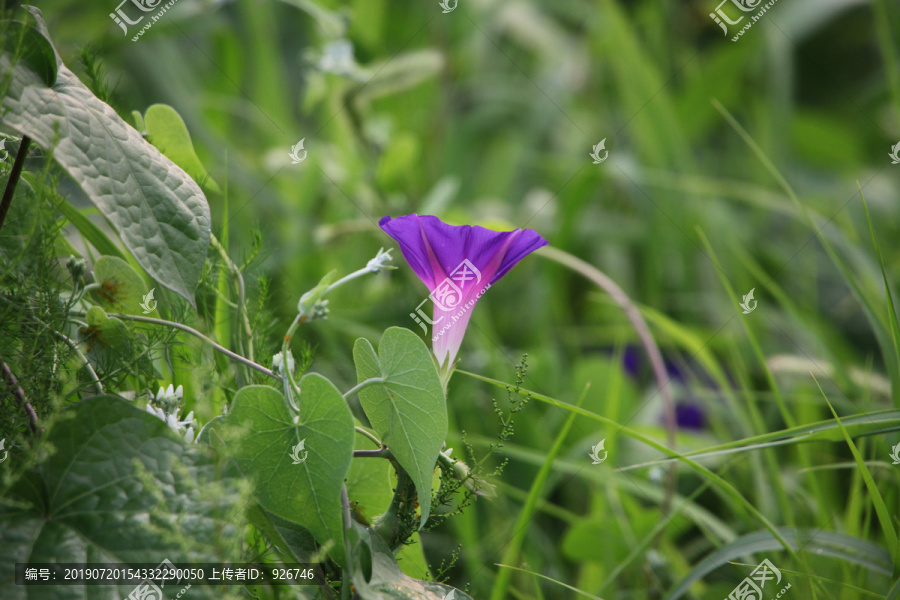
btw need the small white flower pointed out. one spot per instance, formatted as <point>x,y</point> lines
<point>278,362</point>
<point>157,412</point>
<point>381,260</point>
<point>170,400</point>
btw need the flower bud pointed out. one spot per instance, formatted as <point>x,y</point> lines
<point>278,363</point>
<point>75,267</point>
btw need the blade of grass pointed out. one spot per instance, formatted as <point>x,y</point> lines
<point>91,232</point>
<point>697,454</point>
<point>862,425</point>
<point>221,326</point>
<point>751,337</point>
<point>892,313</point>
<point>501,583</point>
<point>756,417</point>
<point>705,520</point>
<point>726,490</point>
<point>877,500</point>
<point>565,585</point>
<point>888,52</point>
<point>846,272</point>
<point>790,421</point>
<point>822,580</point>
<point>812,320</point>
<point>816,541</point>
<point>894,592</point>
<point>648,539</point>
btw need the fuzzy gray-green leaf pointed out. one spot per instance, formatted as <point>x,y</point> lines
<point>157,209</point>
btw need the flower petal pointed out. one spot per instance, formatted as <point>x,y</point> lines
<point>458,264</point>
<point>434,249</point>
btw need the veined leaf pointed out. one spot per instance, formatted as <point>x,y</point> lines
<point>119,486</point>
<point>158,210</point>
<point>121,287</point>
<point>261,433</point>
<point>407,407</point>
<point>295,542</point>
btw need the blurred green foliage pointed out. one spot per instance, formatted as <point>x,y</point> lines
<point>486,115</point>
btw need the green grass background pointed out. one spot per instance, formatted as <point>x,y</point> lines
<point>731,166</point>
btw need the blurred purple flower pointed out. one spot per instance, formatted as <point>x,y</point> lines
<point>690,415</point>
<point>458,264</point>
<point>690,412</point>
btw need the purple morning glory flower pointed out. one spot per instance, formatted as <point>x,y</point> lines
<point>458,264</point>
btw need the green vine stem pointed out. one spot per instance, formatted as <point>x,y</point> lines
<point>195,333</point>
<point>348,524</point>
<point>289,385</point>
<point>242,317</point>
<point>308,308</point>
<point>71,344</point>
<point>369,435</point>
<point>14,178</point>
<point>380,453</point>
<point>362,385</point>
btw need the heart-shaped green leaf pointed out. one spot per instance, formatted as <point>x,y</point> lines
<point>158,210</point>
<point>121,287</point>
<point>407,408</point>
<point>297,468</point>
<point>119,486</point>
<point>105,337</point>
